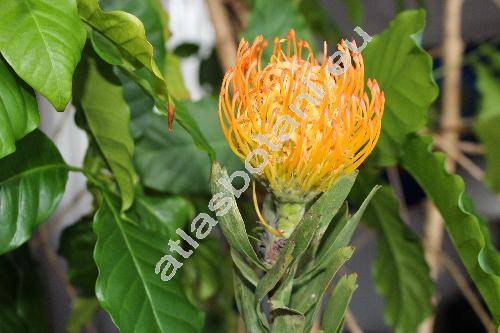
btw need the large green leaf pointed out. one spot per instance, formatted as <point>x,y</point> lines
<point>400,271</point>
<point>32,183</point>
<point>119,38</point>
<point>99,95</point>
<point>172,162</point>
<point>488,123</point>
<point>404,72</point>
<point>42,41</point>
<point>127,287</point>
<point>76,245</point>
<point>447,192</point>
<point>18,109</point>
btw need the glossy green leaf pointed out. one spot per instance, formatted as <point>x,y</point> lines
<point>82,311</point>
<point>18,109</point>
<point>172,162</point>
<point>333,318</point>
<point>127,287</point>
<point>464,228</point>
<point>42,41</point>
<point>488,123</point>
<point>400,271</point>
<point>151,14</point>
<point>76,245</point>
<point>403,71</point>
<point>232,224</point>
<point>32,183</point>
<point>125,33</point>
<point>100,97</point>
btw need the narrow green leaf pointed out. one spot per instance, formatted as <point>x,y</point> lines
<point>400,271</point>
<point>287,321</point>
<point>42,41</point>
<point>447,192</point>
<point>99,96</point>
<point>232,224</point>
<point>333,318</point>
<point>403,71</point>
<point>32,183</point>
<point>308,298</point>
<point>18,109</point>
<point>318,216</point>
<point>127,287</point>
<point>341,236</point>
<point>76,245</point>
<point>245,300</point>
<point>245,270</point>
<point>488,123</point>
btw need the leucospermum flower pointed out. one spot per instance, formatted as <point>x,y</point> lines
<point>301,122</point>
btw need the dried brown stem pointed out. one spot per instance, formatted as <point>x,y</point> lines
<point>56,266</point>
<point>452,50</point>
<point>466,290</point>
<point>225,42</point>
<point>351,323</point>
<point>458,157</point>
<point>471,147</point>
<point>395,182</point>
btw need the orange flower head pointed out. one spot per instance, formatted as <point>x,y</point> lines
<point>309,122</point>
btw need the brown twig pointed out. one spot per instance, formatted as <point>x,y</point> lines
<point>53,261</point>
<point>225,43</point>
<point>458,157</point>
<point>452,51</point>
<point>471,148</point>
<point>395,182</point>
<point>351,323</point>
<point>466,290</point>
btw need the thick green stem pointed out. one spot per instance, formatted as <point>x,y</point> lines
<point>289,215</point>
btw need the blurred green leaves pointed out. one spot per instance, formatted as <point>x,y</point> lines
<point>172,162</point>
<point>488,124</point>
<point>400,271</point>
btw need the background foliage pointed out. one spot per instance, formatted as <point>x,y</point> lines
<point>109,59</point>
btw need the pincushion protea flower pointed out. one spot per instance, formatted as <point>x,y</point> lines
<point>314,125</point>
